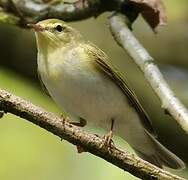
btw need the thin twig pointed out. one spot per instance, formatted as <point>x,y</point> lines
<point>89,142</point>
<point>125,38</point>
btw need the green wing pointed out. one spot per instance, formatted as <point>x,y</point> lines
<point>101,62</point>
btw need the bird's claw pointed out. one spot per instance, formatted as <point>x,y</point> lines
<point>108,142</point>
<point>81,123</point>
<point>64,119</point>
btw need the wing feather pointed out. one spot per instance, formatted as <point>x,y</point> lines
<point>101,62</point>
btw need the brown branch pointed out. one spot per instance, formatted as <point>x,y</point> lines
<point>32,11</point>
<point>125,38</point>
<point>89,142</point>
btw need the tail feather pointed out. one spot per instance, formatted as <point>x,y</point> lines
<point>162,156</point>
<point>150,158</point>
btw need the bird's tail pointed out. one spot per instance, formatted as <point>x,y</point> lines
<point>162,156</point>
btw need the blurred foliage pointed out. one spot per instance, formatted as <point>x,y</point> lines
<point>28,152</point>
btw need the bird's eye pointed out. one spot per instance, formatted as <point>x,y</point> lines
<point>59,28</point>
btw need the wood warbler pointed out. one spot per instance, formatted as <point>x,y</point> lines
<point>79,78</point>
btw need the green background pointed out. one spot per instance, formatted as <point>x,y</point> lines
<point>28,152</point>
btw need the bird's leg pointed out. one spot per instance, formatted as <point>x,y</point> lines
<point>82,122</point>
<point>108,137</point>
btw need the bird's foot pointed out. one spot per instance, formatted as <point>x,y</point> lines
<point>108,142</point>
<point>64,119</point>
<point>81,123</point>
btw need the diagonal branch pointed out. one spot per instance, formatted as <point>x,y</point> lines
<point>125,38</point>
<point>89,142</point>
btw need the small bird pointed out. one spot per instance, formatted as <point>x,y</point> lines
<point>80,79</point>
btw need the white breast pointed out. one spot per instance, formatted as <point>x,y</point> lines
<point>83,91</point>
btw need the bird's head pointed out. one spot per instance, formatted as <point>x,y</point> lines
<point>54,33</point>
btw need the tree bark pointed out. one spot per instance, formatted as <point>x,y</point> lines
<point>75,135</point>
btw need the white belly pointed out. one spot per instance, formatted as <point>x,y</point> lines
<point>84,92</point>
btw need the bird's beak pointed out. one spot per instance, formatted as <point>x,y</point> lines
<point>36,27</point>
